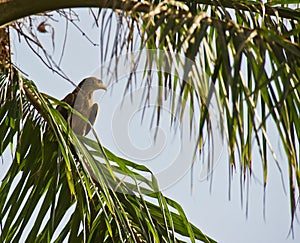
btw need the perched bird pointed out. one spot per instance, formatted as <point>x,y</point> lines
<point>81,99</point>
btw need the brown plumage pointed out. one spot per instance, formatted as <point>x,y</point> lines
<point>81,99</point>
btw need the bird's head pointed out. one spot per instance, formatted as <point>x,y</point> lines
<point>91,84</point>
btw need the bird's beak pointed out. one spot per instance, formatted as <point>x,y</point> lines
<point>101,85</point>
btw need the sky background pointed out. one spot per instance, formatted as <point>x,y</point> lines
<point>211,210</point>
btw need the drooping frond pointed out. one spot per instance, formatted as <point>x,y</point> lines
<point>249,51</point>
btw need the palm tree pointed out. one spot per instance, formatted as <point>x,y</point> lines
<point>249,50</point>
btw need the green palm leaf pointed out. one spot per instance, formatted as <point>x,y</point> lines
<point>86,194</point>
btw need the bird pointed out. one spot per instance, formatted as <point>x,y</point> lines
<point>81,99</point>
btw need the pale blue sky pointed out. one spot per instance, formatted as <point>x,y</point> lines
<point>212,212</point>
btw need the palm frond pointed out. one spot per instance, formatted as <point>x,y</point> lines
<point>48,194</point>
<point>250,53</point>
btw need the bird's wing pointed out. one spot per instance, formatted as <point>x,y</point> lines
<point>92,117</point>
<point>69,99</point>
